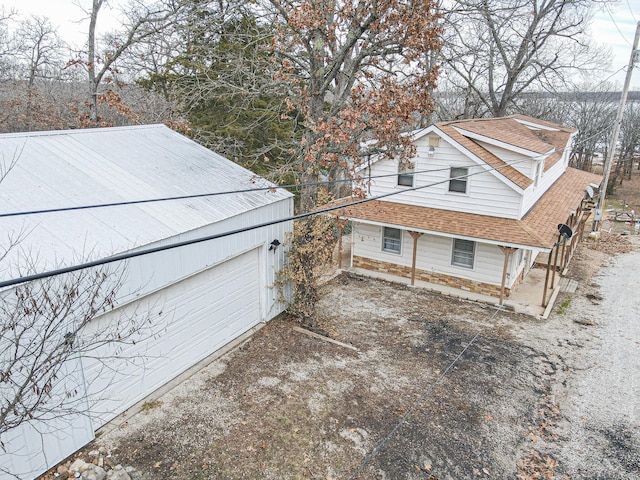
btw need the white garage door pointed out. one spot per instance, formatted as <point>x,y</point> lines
<point>190,320</point>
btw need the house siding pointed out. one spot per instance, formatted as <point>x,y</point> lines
<point>433,260</point>
<point>147,273</point>
<point>520,162</point>
<point>486,194</point>
<point>533,193</point>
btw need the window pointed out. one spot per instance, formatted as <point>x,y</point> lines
<point>405,174</point>
<point>458,185</point>
<point>463,253</point>
<point>391,239</point>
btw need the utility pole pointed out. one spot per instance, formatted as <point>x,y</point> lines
<point>616,132</point>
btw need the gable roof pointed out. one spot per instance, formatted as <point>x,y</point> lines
<point>521,133</point>
<point>105,165</point>
<point>537,229</point>
<point>484,155</point>
<point>505,130</point>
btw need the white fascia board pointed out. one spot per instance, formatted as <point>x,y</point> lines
<point>536,126</point>
<point>506,146</point>
<point>479,161</point>
<point>450,235</point>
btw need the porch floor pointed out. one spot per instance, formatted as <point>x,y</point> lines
<point>523,300</point>
<point>526,299</point>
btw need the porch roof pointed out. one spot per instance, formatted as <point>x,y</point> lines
<point>537,230</point>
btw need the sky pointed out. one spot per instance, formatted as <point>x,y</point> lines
<point>613,26</point>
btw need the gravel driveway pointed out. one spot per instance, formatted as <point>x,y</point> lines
<point>600,399</point>
<point>434,388</point>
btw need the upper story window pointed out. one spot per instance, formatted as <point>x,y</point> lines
<point>405,174</point>
<point>391,239</point>
<point>458,182</point>
<point>464,252</point>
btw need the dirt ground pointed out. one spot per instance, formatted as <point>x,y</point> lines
<point>432,388</point>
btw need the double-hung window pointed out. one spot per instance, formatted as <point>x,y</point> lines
<point>458,179</point>
<point>463,253</point>
<point>391,239</point>
<point>405,174</point>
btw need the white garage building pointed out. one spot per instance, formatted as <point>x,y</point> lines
<point>201,296</point>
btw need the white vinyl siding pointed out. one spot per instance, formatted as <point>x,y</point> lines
<point>392,240</point>
<point>463,253</point>
<point>433,255</point>
<point>487,193</point>
<point>548,178</point>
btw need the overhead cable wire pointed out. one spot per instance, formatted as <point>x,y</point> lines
<point>631,11</point>
<point>204,195</point>
<point>419,401</point>
<point>147,251</point>
<point>616,24</point>
<point>245,190</point>
<point>128,255</point>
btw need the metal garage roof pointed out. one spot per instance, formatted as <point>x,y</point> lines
<point>104,165</point>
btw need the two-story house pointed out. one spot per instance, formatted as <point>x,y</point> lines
<point>480,202</point>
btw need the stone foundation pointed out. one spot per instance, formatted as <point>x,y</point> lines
<point>431,277</point>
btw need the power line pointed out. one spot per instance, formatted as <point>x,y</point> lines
<point>128,255</point>
<point>201,195</point>
<point>615,23</point>
<point>232,192</point>
<point>631,11</point>
<point>417,403</point>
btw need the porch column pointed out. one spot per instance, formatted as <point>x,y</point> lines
<point>563,256</point>
<point>507,252</point>
<point>340,231</point>
<point>415,236</point>
<point>546,279</point>
<point>555,261</point>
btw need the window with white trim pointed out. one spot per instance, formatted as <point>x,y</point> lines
<point>391,239</point>
<point>458,185</point>
<point>405,174</point>
<point>463,254</point>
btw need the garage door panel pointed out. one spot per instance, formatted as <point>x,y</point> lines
<point>199,315</point>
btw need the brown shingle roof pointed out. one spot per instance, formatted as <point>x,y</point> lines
<point>509,130</point>
<point>538,228</point>
<point>506,130</point>
<point>544,123</point>
<point>502,167</point>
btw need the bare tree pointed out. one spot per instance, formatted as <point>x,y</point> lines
<point>140,20</point>
<point>629,142</point>
<point>496,51</point>
<point>7,44</point>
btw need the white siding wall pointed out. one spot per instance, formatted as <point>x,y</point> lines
<point>520,162</point>
<point>147,273</point>
<point>144,275</point>
<point>486,194</point>
<point>533,193</point>
<point>434,254</point>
